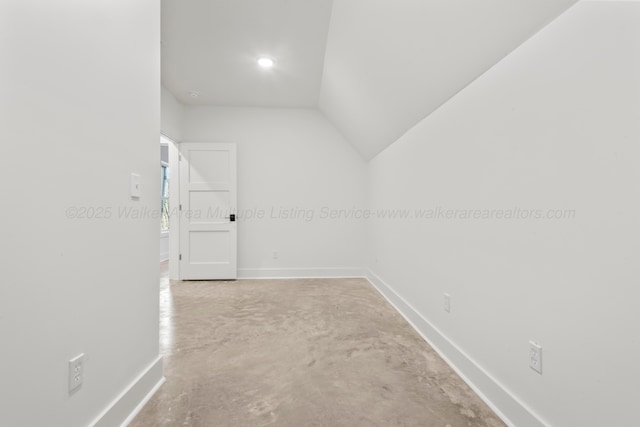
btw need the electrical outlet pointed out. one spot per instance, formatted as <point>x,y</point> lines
<point>76,372</point>
<point>535,357</point>
<point>447,303</point>
<point>276,255</point>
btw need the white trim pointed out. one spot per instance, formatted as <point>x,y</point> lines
<point>300,273</point>
<point>174,202</point>
<point>168,139</point>
<point>126,406</point>
<point>143,402</point>
<point>507,406</point>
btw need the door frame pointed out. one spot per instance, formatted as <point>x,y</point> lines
<point>174,202</point>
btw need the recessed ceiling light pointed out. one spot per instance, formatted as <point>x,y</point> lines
<point>194,94</point>
<point>265,62</point>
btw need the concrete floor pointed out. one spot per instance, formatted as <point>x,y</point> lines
<point>311,352</point>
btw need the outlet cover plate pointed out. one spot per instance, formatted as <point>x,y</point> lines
<point>76,372</point>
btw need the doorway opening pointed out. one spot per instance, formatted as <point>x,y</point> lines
<point>165,176</point>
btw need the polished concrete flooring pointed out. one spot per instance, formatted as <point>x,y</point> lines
<point>309,352</point>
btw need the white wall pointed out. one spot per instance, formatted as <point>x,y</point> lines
<point>79,111</point>
<point>172,115</point>
<point>555,125</point>
<point>289,159</point>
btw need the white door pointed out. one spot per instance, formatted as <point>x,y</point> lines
<point>207,211</point>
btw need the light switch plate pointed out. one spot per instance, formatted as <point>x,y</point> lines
<point>135,186</point>
<point>447,303</point>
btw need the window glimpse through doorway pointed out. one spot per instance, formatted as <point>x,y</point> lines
<point>164,196</point>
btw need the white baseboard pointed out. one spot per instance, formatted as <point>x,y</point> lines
<point>299,273</point>
<point>510,409</point>
<point>127,405</point>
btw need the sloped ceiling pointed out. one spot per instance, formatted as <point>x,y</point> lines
<point>375,68</point>
<point>388,64</point>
